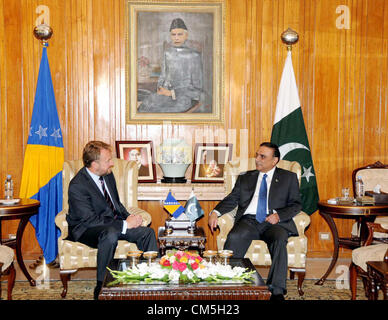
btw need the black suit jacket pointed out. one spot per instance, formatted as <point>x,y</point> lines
<point>284,196</point>
<point>88,207</point>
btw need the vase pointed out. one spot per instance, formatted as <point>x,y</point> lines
<point>174,172</point>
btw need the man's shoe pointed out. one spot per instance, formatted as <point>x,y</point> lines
<point>97,290</point>
<point>277,297</point>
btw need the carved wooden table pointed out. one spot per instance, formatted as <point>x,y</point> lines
<point>362,213</point>
<point>378,277</point>
<point>181,241</point>
<point>257,290</point>
<point>22,210</point>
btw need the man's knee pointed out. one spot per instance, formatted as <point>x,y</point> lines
<point>109,236</point>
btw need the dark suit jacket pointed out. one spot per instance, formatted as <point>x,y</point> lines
<point>88,207</point>
<point>284,196</point>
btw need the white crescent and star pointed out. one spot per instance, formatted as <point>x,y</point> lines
<point>288,147</point>
<point>190,206</point>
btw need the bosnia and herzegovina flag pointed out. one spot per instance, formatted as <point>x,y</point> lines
<point>173,206</point>
<point>193,209</point>
<point>289,133</point>
<point>43,162</point>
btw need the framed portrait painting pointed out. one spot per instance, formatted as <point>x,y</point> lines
<point>174,61</point>
<point>142,152</point>
<point>209,162</point>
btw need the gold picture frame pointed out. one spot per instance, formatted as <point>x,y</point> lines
<point>209,162</point>
<point>195,91</point>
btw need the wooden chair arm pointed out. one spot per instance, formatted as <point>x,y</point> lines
<point>373,227</point>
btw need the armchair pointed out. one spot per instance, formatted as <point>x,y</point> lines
<point>75,255</point>
<point>372,175</point>
<point>7,268</point>
<point>368,252</point>
<point>258,251</point>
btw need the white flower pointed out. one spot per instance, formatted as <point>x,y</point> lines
<point>189,273</point>
<point>174,276</point>
<point>202,273</point>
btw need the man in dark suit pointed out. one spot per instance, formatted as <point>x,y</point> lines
<point>266,199</point>
<point>96,216</point>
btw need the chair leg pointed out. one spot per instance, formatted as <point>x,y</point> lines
<point>353,280</point>
<point>11,280</point>
<point>65,277</point>
<point>301,275</point>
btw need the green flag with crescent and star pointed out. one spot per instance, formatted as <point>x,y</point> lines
<point>289,133</point>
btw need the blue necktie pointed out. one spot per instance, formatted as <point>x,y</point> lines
<point>261,211</point>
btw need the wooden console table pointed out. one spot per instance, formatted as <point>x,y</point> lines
<point>181,191</point>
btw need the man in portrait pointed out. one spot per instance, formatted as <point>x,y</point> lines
<point>180,85</point>
<point>135,155</point>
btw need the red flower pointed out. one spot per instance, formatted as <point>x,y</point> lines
<point>166,263</point>
<point>194,266</point>
<point>182,267</point>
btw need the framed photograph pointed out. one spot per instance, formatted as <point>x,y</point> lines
<point>175,61</point>
<point>142,152</point>
<point>209,162</point>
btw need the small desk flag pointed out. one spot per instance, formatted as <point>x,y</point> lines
<point>173,206</point>
<point>192,208</point>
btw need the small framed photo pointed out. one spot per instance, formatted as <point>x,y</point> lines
<point>142,152</point>
<point>209,162</point>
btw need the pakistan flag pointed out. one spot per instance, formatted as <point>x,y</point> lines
<point>289,133</point>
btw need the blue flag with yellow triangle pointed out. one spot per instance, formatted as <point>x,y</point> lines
<point>173,206</point>
<point>43,163</point>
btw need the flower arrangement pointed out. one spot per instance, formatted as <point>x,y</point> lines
<point>183,267</point>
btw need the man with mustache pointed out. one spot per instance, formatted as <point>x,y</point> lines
<point>267,199</point>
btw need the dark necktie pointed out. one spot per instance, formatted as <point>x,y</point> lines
<point>261,211</point>
<point>106,195</point>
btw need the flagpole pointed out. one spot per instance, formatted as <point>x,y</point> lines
<point>43,33</point>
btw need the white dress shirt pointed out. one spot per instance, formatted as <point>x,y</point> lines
<point>252,207</point>
<point>96,180</point>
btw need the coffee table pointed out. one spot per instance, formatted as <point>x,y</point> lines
<point>257,290</point>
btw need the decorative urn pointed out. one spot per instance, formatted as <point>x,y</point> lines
<point>174,157</point>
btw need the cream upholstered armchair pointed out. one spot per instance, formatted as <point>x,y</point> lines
<point>369,252</point>
<point>258,251</point>
<point>7,268</point>
<point>75,255</point>
<point>372,175</point>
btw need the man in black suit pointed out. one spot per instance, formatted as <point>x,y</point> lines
<point>96,216</point>
<point>267,200</point>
